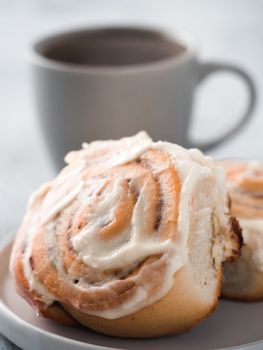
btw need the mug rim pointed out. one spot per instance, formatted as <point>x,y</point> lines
<point>38,59</point>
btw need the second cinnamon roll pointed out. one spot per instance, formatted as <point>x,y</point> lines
<point>244,277</point>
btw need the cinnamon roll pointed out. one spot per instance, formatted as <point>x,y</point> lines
<point>244,277</point>
<point>129,239</point>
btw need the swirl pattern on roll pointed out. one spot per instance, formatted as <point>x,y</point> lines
<point>109,233</point>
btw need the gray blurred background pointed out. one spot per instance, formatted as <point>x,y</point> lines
<point>228,30</point>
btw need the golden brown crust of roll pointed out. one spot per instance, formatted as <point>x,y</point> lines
<point>184,302</point>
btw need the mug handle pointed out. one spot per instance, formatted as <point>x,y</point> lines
<point>204,70</point>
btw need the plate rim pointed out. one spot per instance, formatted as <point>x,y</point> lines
<point>5,312</point>
<point>8,314</point>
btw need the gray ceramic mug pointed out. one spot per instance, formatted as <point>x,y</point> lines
<point>105,83</point>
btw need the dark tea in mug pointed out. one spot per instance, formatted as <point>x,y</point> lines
<point>111,47</point>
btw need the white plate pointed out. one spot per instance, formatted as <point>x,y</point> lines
<point>233,326</point>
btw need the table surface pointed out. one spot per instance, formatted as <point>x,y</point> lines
<point>226,31</point>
